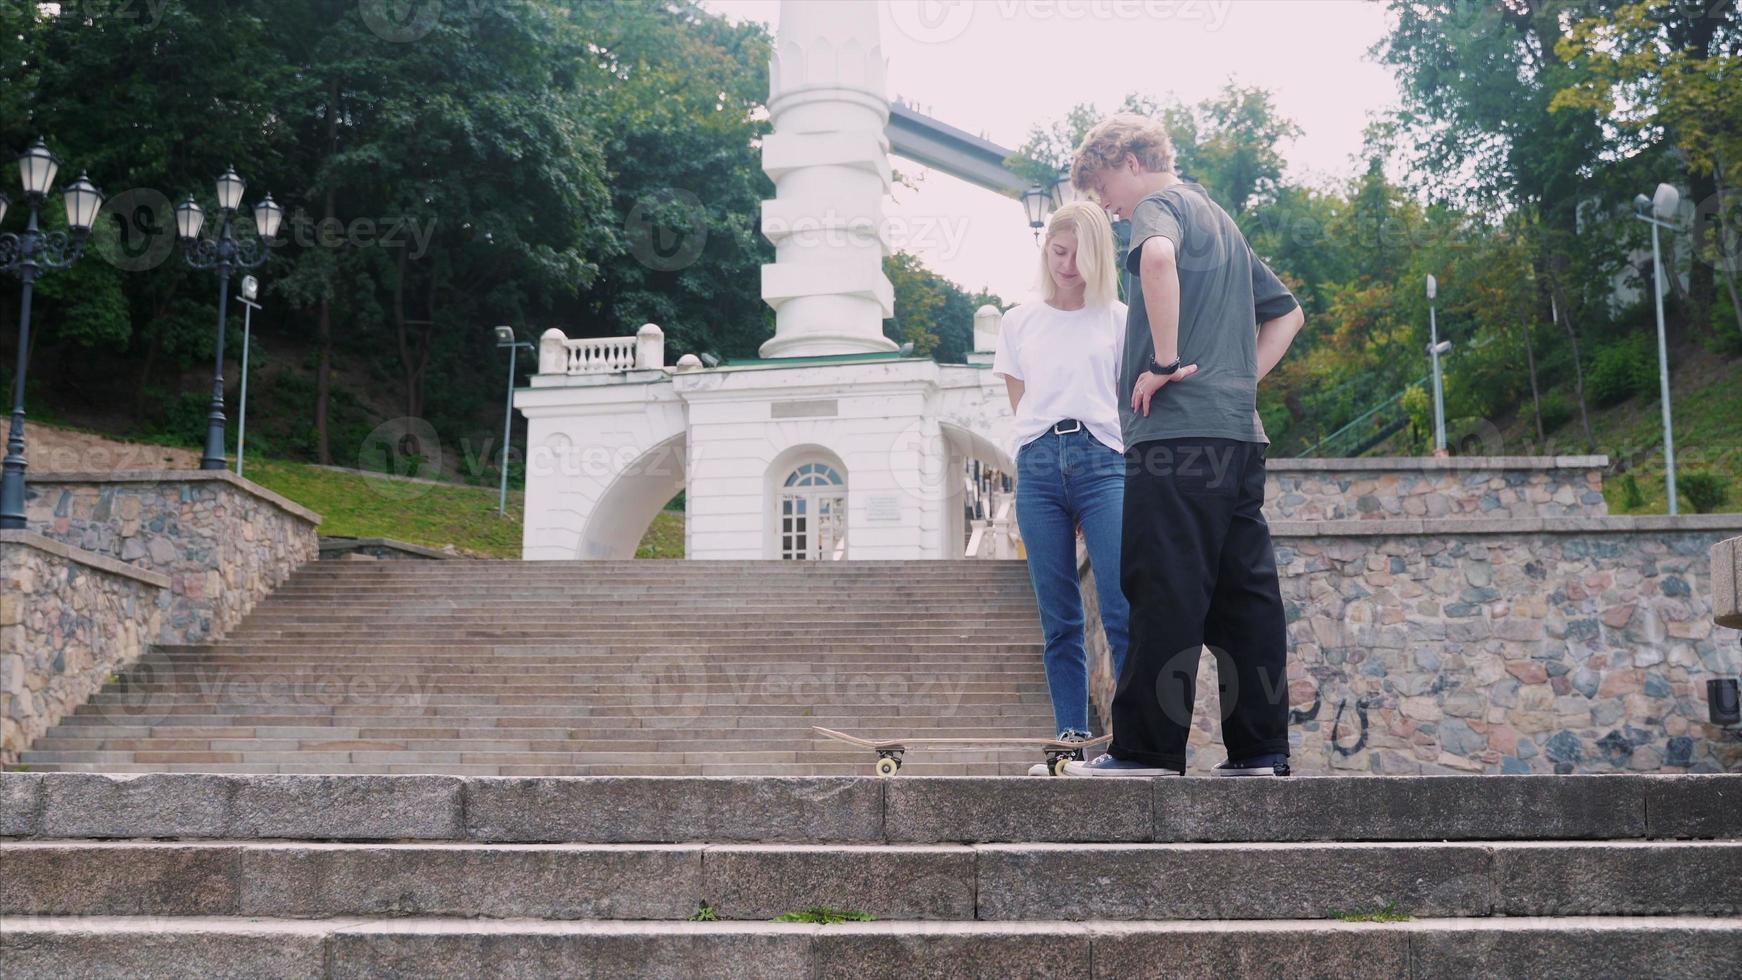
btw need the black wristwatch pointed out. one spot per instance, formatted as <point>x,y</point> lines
<point>1166,369</point>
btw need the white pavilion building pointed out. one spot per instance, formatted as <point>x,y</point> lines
<point>831,445</point>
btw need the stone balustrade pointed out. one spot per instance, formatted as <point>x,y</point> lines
<point>69,619</point>
<point>559,354</point>
<point>1466,645</point>
<point>222,541</point>
<point>1491,487</point>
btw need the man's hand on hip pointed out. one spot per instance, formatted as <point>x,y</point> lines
<point>1148,383</point>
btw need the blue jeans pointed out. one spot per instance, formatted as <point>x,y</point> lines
<point>1063,481</point>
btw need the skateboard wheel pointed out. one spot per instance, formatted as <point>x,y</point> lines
<point>887,766</point>
<point>1058,765</point>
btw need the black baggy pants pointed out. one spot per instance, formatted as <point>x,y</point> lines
<point>1199,570</point>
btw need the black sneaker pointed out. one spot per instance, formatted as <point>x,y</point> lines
<point>1273,764</point>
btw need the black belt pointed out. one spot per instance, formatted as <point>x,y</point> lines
<point>1058,428</point>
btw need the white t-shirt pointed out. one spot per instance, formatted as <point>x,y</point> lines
<point>1068,363</point>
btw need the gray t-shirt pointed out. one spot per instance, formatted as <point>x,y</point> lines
<point>1225,292</point>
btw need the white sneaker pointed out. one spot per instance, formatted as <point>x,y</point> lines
<point>1038,769</point>
<point>1107,765</point>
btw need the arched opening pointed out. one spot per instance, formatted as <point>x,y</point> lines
<point>621,518</point>
<point>985,491</point>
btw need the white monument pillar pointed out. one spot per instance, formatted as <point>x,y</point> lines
<point>829,159</point>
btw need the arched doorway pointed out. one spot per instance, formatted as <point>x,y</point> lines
<point>811,513</point>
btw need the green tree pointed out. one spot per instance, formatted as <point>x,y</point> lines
<point>1669,71</point>
<point>931,312</point>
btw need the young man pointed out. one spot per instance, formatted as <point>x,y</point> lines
<point>1207,320</point>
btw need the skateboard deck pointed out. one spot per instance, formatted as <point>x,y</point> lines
<point>889,750</point>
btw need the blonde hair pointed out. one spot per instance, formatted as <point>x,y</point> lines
<point>1095,261</point>
<point>1105,146</point>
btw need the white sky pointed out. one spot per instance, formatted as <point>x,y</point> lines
<point>999,67</point>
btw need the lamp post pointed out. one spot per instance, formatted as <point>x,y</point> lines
<point>1062,191</point>
<point>1036,202</point>
<point>25,254</point>
<point>1658,212</point>
<point>1434,349</point>
<point>250,291</point>
<point>226,254</point>
<point>505,338</point>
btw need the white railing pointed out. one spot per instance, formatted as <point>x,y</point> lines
<point>558,354</point>
<point>995,538</point>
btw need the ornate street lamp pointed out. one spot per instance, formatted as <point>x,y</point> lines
<point>1063,192</point>
<point>1035,201</point>
<point>25,255</point>
<point>226,254</point>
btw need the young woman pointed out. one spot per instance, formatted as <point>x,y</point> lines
<point>1060,356</point>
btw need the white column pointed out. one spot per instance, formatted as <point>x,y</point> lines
<point>650,346</point>
<point>986,321</point>
<point>829,159</point>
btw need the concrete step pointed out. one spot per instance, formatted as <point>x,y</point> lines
<point>493,740</point>
<point>990,882</point>
<point>125,725</point>
<point>1570,947</point>
<point>195,674</point>
<point>1028,810</point>
<point>810,699</point>
<point>672,687</point>
<point>742,753</point>
<point>770,770</point>
<point>477,658</point>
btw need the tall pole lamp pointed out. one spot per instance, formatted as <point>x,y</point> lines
<point>226,254</point>
<point>250,293</point>
<point>505,338</point>
<point>1435,348</point>
<point>1658,211</point>
<point>25,254</point>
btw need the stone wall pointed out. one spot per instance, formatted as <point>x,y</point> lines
<point>1469,486</point>
<point>1536,645</point>
<point>1727,583</point>
<point>69,620</point>
<point>222,541</point>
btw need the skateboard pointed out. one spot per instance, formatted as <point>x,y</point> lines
<point>889,750</point>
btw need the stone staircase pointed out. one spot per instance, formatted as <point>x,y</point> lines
<point>486,668</point>
<point>176,875</point>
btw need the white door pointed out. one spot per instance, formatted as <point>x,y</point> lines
<point>813,514</point>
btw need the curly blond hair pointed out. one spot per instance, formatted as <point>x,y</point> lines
<point>1106,145</point>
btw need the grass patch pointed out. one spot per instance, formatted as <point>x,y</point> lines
<point>1389,912</point>
<point>1708,439</point>
<point>432,515</point>
<point>664,537</point>
<point>705,913</point>
<point>824,916</point>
